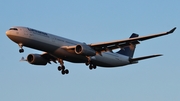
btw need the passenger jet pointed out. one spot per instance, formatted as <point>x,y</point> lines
<point>57,49</point>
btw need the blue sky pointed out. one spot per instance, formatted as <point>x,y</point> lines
<point>92,21</point>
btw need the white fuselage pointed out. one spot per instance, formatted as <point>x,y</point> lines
<point>54,45</point>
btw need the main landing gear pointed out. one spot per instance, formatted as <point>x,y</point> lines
<point>92,66</point>
<point>62,67</point>
<point>21,50</point>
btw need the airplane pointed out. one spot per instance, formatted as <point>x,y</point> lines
<point>57,49</point>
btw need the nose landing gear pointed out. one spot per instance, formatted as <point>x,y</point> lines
<point>21,50</point>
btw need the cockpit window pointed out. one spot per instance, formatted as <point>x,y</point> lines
<point>13,29</point>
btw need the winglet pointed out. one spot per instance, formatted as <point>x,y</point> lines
<point>172,30</point>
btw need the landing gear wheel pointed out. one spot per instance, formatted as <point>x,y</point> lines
<point>67,71</point>
<point>63,72</point>
<point>94,67</point>
<point>90,66</point>
<point>59,68</point>
<point>21,50</point>
<point>63,67</point>
<point>87,63</point>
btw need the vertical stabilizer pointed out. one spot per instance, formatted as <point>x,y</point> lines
<point>129,50</point>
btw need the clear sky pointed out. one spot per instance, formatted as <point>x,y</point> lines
<point>92,21</point>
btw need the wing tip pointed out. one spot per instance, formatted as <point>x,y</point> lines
<point>172,30</point>
<point>158,55</point>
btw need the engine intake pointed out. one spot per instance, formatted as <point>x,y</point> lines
<point>85,50</point>
<point>36,59</point>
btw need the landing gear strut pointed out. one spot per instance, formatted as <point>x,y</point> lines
<point>62,67</point>
<point>21,50</point>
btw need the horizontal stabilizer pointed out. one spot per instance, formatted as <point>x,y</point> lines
<point>144,57</point>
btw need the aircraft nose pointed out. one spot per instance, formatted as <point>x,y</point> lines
<point>7,32</point>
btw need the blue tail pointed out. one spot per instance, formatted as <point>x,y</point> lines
<point>129,50</point>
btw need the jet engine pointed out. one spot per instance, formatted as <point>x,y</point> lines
<point>85,50</point>
<point>36,59</point>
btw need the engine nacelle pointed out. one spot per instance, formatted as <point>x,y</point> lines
<point>85,50</point>
<point>36,59</point>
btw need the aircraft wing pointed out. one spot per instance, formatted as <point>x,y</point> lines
<point>49,57</point>
<point>122,43</point>
<point>104,46</point>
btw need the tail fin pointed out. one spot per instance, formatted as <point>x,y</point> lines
<point>129,50</point>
